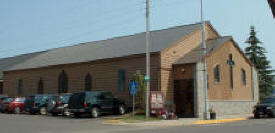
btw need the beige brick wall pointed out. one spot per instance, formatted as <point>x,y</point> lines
<point>104,76</point>
<point>174,53</point>
<point>222,90</point>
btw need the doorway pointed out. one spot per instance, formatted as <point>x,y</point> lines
<point>184,98</point>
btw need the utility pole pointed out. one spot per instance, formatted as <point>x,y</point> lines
<point>147,77</point>
<point>204,64</point>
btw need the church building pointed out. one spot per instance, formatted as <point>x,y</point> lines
<point>176,70</point>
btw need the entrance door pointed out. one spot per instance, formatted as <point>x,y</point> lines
<point>184,97</point>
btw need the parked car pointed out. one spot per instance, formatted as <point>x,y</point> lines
<point>16,106</point>
<point>95,103</point>
<point>37,104</point>
<point>5,104</point>
<point>265,108</point>
<point>2,98</point>
<point>58,104</point>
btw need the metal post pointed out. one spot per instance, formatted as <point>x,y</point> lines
<point>204,64</point>
<point>134,105</point>
<point>147,56</point>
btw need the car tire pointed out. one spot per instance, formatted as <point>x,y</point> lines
<point>95,112</point>
<point>271,115</point>
<point>17,110</point>
<point>43,111</point>
<point>256,116</point>
<point>32,113</point>
<point>121,109</point>
<point>76,115</point>
<point>54,114</point>
<point>66,112</point>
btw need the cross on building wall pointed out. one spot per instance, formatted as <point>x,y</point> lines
<point>231,63</point>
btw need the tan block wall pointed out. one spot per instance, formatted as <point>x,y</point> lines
<point>222,89</point>
<point>104,76</point>
<point>174,53</point>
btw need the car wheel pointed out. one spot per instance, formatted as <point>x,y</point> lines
<point>66,112</point>
<point>43,111</point>
<point>17,110</point>
<point>94,112</point>
<point>271,115</point>
<point>256,116</point>
<point>76,115</point>
<point>54,114</point>
<point>121,109</point>
<point>32,113</point>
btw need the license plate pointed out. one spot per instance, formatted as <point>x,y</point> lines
<point>261,113</point>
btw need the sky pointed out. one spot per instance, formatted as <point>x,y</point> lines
<point>36,25</point>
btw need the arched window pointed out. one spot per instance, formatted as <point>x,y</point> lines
<point>1,87</point>
<point>217,73</point>
<point>63,82</point>
<point>40,89</point>
<point>244,76</point>
<point>88,82</point>
<point>20,87</point>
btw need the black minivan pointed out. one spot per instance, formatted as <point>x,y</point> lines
<point>95,103</point>
<point>37,103</point>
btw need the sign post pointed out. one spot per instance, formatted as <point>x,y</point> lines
<point>133,91</point>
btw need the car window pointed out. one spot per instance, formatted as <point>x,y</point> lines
<point>65,99</point>
<point>268,100</point>
<point>108,95</point>
<point>38,98</point>
<point>90,97</point>
<point>20,99</point>
<point>8,100</point>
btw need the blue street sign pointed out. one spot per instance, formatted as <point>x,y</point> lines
<point>133,87</point>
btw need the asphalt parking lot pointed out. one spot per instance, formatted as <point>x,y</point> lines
<point>11,123</point>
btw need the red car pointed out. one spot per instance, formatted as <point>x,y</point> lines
<point>14,105</point>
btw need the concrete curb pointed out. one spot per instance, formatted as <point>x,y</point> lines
<point>174,123</point>
<point>204,122</point>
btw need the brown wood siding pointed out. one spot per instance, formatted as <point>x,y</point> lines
<point>104,76</point>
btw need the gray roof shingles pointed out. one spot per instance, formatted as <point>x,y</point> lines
<point>195,55</point>
<point>111,48</point>
<point>6,63</point>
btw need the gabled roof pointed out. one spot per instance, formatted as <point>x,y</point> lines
<point>106,49</point>
<point>195,55</point>
<point>272,6</point>
<point>6,63</point>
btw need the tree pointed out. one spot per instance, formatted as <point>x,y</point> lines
<point>256,53</point>
<point>140,98</point>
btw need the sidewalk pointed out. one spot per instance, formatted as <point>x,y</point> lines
<point>182,121</point>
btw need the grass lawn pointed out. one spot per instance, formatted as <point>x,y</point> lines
<point>137,118</point>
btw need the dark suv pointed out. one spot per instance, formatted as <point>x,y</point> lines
<point>265,108</point>
<point>95,103</point>
<point>58,104</point>
<point>37,104</point>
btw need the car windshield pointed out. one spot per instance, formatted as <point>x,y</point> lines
<point>268,100</point>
